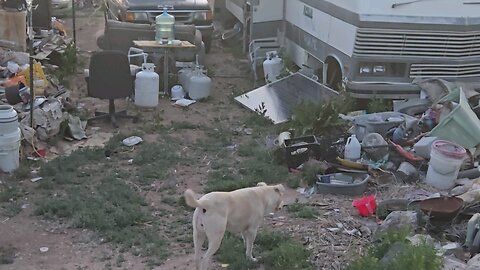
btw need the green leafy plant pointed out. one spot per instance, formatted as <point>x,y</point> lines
<point>302,211</point>
<point>68,63</point>
<point>311,118</point>
<point>422,256</point>
<point>379,105</point>
<point>276,251</point>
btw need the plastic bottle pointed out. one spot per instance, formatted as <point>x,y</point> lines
<point>164,27</point>
<point>352,148</point>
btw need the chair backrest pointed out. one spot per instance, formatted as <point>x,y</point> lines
<point>109,75</point>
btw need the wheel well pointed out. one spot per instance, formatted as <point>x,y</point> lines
<point>334,72</point>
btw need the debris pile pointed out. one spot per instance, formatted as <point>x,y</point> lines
<point>434,152</point>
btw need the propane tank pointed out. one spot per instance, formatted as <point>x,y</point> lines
<point>146,86</point>
<point>199,85</point>
<point>164,27</point>
<point>183,76</point>
<point>272,67</point>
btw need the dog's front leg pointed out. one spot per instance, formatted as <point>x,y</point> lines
<point>249,237</point>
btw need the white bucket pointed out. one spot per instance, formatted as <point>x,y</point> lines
<point>10,151</point>
<point>445,162</point>
<point>8,120</point>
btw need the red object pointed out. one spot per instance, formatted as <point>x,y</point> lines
<point>40,152</point>
<point>366,205</point>
<point>404,153</point>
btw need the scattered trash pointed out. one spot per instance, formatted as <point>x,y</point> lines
<point>36,179</point>
<point>365,206</point>
<point>131,141</point>
<point>43,249</point>
<point>183,102</point>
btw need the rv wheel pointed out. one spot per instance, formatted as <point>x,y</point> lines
<point>334,75</point>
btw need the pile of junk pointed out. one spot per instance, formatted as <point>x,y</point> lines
<point>433,146</point>
<point>29,118</point>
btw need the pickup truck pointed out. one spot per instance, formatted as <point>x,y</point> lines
<point>196,12</point>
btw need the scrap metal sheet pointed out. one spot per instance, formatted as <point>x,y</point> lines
<point>277,100</point>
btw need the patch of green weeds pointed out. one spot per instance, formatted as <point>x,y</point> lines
<point>155,160</point>
<point>170,200</point>
<point>68,64</point>
<point>110,207</point>
<point>276,251</point>
<point>12,209</point>
<point>422,256</point>
<point>9,193</point>
<point>120,260</point>
<point>68,169</point>
<point>302,211</point>
<point>379,105</point>
<point>255,165</point>
<point>183,125</point>
<point>317,119</point>
<point>7,254</point>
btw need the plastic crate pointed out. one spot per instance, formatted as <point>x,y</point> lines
<point>351,189</point>
<point>461,125</point>
<point>378,123</point>
<point>294,153</point>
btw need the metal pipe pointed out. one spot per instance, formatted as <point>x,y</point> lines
<point>73,22</point>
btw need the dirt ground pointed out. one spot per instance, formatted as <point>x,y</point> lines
<point>82,249</point>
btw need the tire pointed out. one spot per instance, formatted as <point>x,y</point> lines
<point>334,76</point>
<point>208,44</point>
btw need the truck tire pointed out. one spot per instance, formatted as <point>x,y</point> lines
<point>208,44</point>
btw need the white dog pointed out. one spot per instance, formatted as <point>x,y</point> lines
<point>240,211</point>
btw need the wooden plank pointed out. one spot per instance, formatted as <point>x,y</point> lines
<point>13,27</point>
<point>155,44</point>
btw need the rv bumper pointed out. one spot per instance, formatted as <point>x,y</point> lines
<point>382,90</point>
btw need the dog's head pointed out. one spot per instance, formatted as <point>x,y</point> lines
<point>277,197</point>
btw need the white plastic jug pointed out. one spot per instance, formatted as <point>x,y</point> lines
<point>352,148</point>
<point>146,86</point>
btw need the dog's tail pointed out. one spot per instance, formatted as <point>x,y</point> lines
<point>190,198</point>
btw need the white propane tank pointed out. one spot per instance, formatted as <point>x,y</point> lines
<point>272,67</point>
<point>147,86</point>
<point>199,85</point>
<point>183,76</point>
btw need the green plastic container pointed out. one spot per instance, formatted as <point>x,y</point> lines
<point>461,126</point>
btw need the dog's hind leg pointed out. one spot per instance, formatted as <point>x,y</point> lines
<point>249,237</point>
<point>215,230</point>
<point>199,237</point>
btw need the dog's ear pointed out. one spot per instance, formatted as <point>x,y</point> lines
<point>279,188</point>
<point>261,184</point>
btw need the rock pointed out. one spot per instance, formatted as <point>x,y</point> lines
<point>418,239</point>
<point>474,263</point>
<point>393,252</point>
<point>454,249</point>
<point>451,263</point>
<point>399,220</point>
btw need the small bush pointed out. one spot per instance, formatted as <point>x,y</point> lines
<point>302,211</point>
<point>276,251</point>
<point>421,257</point>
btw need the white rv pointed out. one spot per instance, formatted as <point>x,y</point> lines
<point>375,47</point>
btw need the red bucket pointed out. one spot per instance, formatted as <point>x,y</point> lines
<point>365,206</point>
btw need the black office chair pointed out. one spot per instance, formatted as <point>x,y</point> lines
<point>110,78</point>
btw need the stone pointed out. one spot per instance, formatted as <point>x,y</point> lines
<point>474,263</point>
<point>399,220</point>
<point>396,249</point>
<point>451,263</point>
